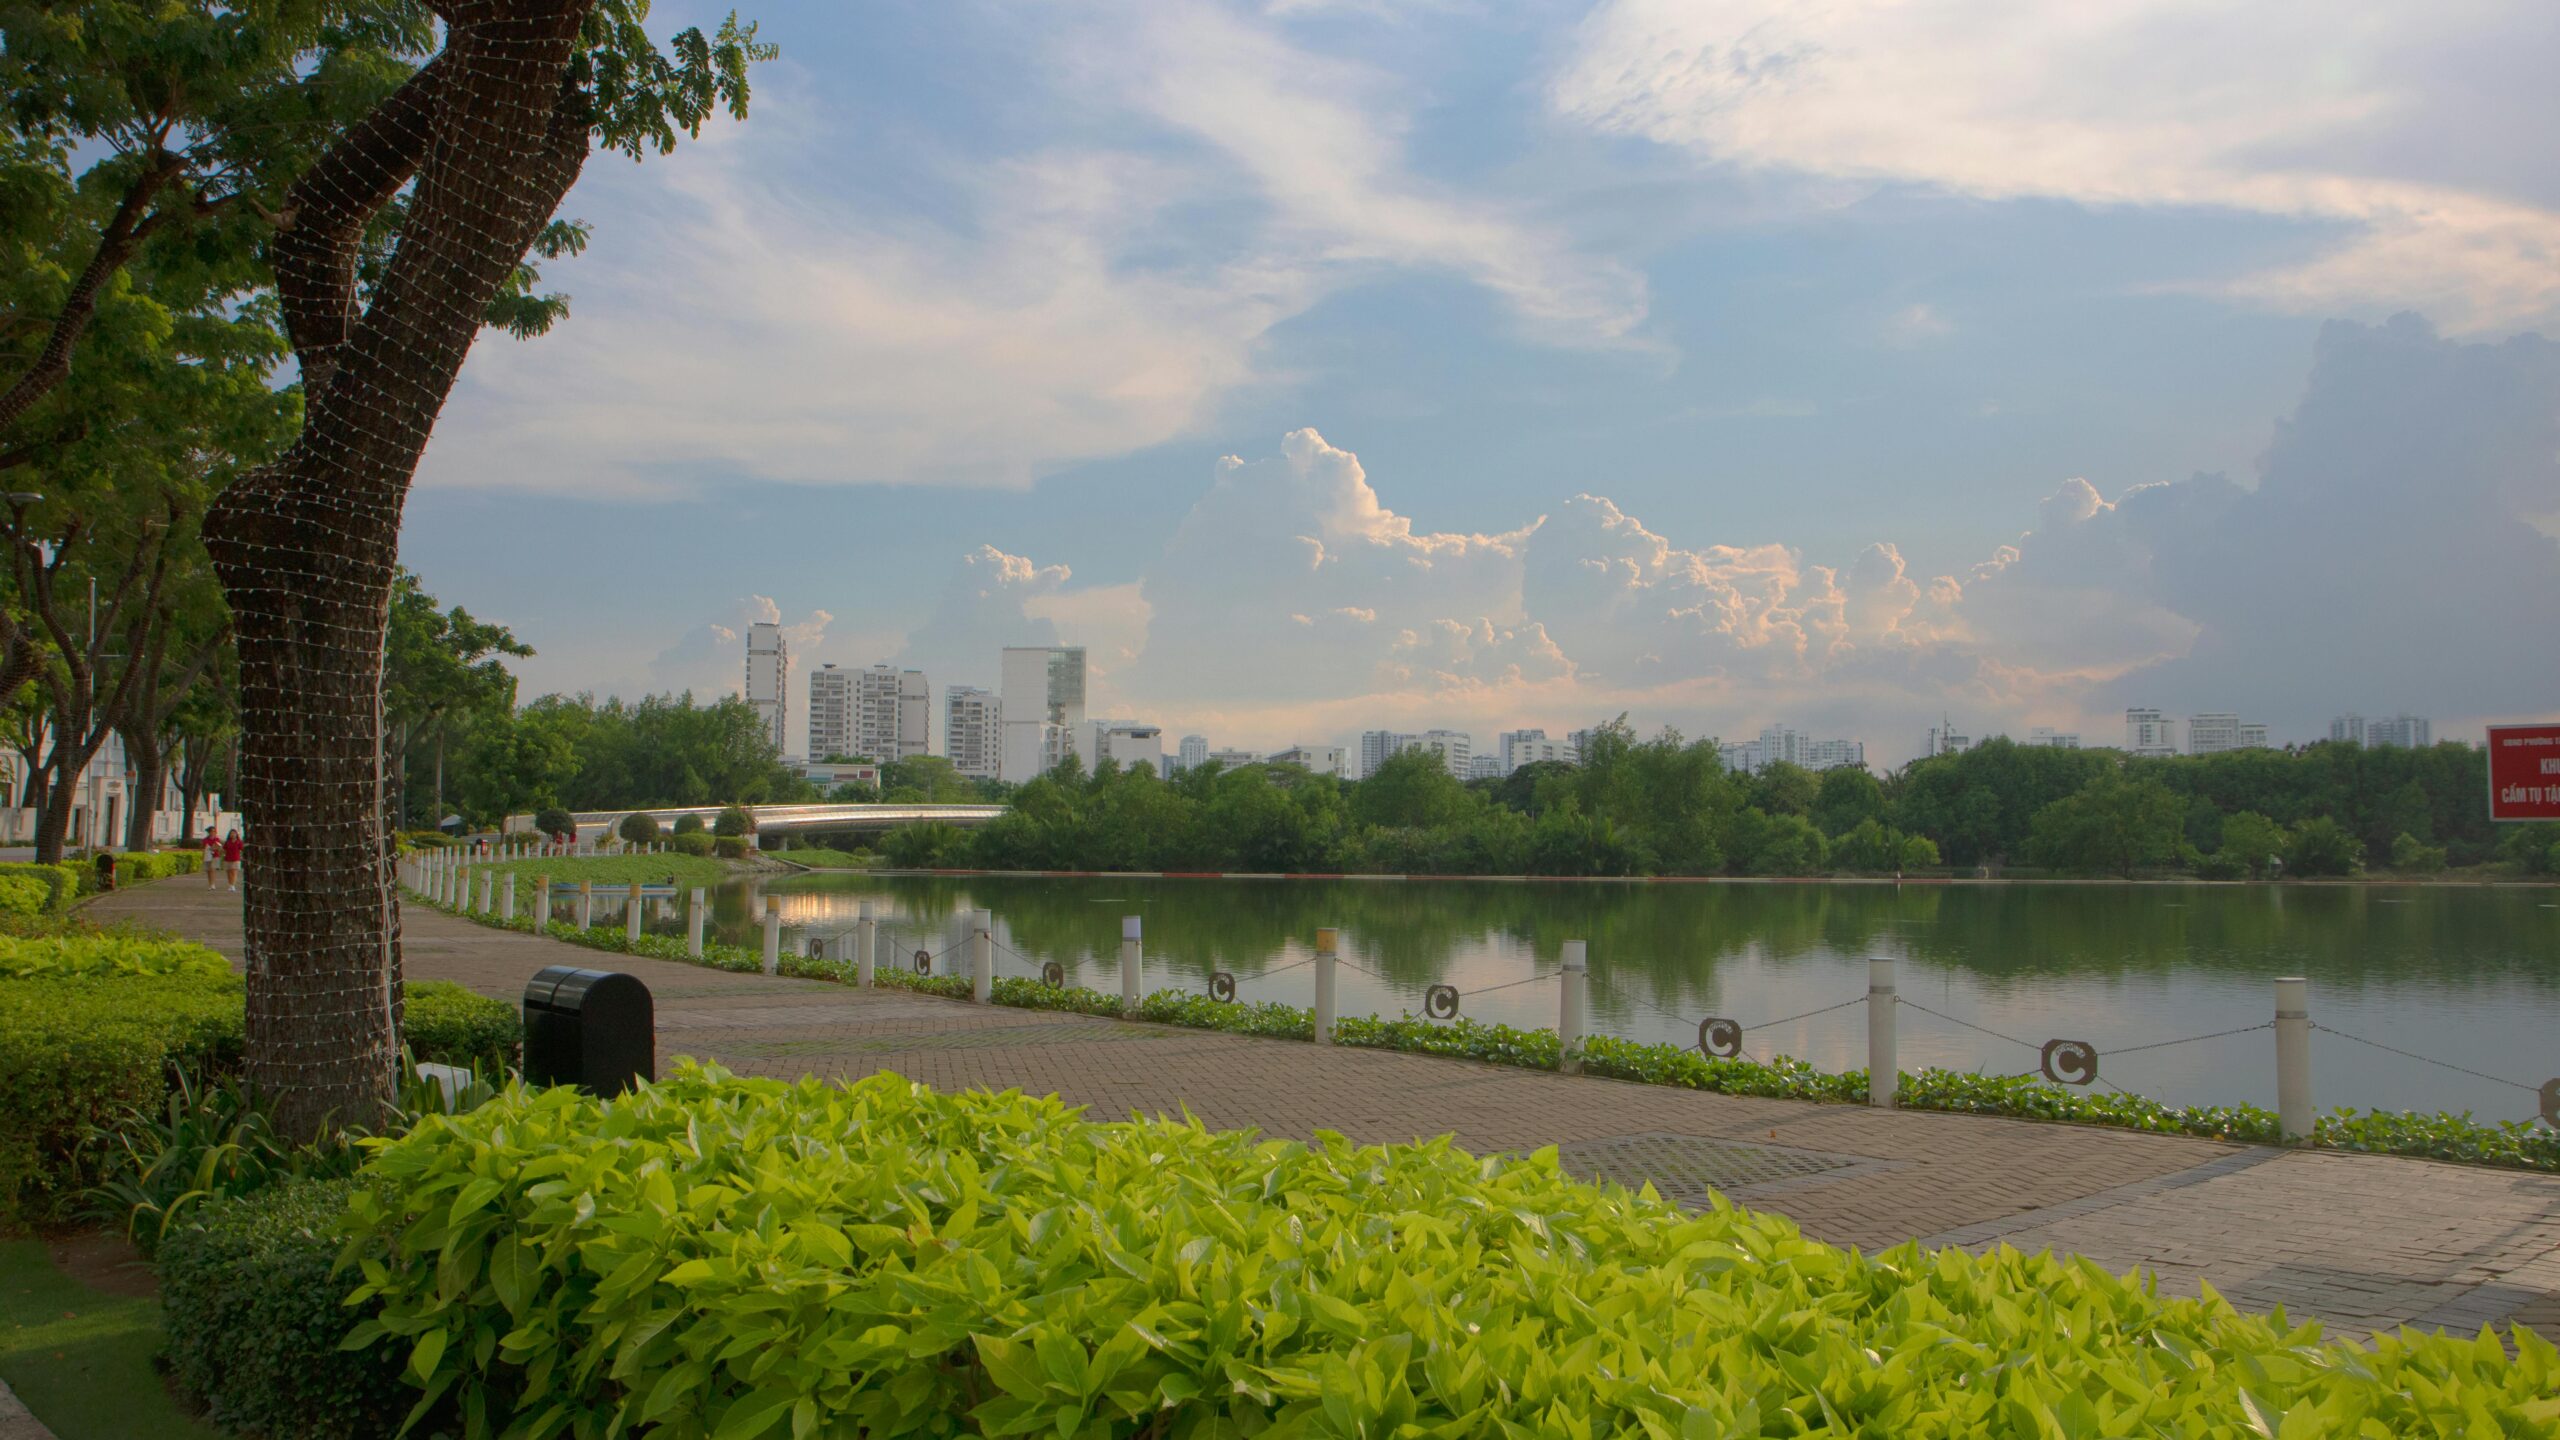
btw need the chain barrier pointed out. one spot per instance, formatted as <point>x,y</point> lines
<point>2431,1060</point>
<point>2189,1040</point>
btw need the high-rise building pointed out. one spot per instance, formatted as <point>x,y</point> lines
<point>1195,751</point>
<point>973,731</point>
<point>831,714</point>
<point>1945,740</point>
<point>892,713</point>
<point>1454,747</point>
<point>1529,747</point>
<point>1783,744</point>
<point>2348,727</point>
<point>2052,739</point>
<point>1232,759</point>
<point>2253,735</point>
<point>769,678</point>
<point>2149,732</point>
<point>1484,767</point>
<point>2411,732</point>
<point>1317,759</point>
<point>2212,733</point>
<point>1043,685</point>
<point>1123,742</point>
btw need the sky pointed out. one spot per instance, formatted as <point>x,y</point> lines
<point>1331,365</point>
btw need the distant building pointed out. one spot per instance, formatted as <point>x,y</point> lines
<point>1233,759</point>
<point>1454,747</point>
<point>827,776</point>
<point>2410,732</point>
<point>1195,751</point>
<point>2052,739</point>
<point>1581,740</point>
<point>1531,747</point>
<point>2253,735</point>
<point>2348,727</point>
<point>831,713</point>
<point>2149,732</point>
<point>891,711</point>
<point>1043,685</point>
<point>1375,747</point>
<point>2213,733</point>
<point>1944,740</point>
<point>1781,744</point>
<point>1317,759</point>
<point>973,731</point>
<point>769,678</point>
<point>1485,767</point>
<point>1122,742</point>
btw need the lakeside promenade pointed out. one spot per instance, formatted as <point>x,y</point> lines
<point>2361,1243</point>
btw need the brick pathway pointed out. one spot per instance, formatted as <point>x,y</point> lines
<point>2359,1242</point>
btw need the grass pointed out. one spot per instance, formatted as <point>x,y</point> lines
<point>823,859</point>
<point>623,869</point>
<point>80,1359</point>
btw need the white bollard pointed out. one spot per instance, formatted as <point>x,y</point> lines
<point>1884,1066</point>
<point>1131,961</point>
<point>631,916</point>
<point>773,935</point>
<point>1326,939</point>
<point>1569,1010</point>
<point>488,889</point>
<point>586,904</point>
<point>982,956</point>
<point>866,934</point>
<point>2293,1059</point>
<point>693,924</point>
<point>507,900</point>
<point>541,903</point>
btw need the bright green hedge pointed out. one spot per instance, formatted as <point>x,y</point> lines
<point>24,896</point>
<point>445,1023</point>
<point>91,956</point>
<point>736,1258</point>
<point>63,883</point>
<point>253,1317</point>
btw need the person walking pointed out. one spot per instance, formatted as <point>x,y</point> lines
<point>231,849</point>
<point>212,857</point>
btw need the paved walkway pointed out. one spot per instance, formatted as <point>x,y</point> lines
<point>2360,1242</point>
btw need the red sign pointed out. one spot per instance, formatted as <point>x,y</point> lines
<point>2524,772</point>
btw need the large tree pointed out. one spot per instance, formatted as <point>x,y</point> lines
<point>396,164</point>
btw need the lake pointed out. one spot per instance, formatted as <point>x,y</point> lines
<point>2469,975</point>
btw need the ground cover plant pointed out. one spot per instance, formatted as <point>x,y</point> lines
<point>2515,1144</point>
<point>605,870</point>
<point>715,1256</point>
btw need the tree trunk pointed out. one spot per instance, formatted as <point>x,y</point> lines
<point>305,547</point>
<point>53,820</point>
<point>146,772</point>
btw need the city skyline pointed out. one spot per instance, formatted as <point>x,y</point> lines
<point>1542,369</point>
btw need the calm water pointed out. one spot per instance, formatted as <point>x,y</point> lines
<point>2468,975</point>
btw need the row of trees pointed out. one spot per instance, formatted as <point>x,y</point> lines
<point>1666,806</point>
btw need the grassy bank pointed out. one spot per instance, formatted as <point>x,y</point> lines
<point>623,869</point>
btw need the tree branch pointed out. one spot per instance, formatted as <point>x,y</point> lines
<point>116,245</point>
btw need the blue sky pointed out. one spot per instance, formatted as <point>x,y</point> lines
<point>1324,366</point>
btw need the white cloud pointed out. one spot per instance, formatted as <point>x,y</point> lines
<point>710,659</point>
<point>2279,110</point>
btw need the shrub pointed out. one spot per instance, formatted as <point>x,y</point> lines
<point>2415,856</point>
<point>2322,846</point>
<point>24,896</point>
<point>208,1141</point>
<point>552,820</point>
<point>937,1264</point>
<point>254,1320</point>
<point>933,845</point>
<point>427,839</point>
<point>639,827</point>
<point>63,883</point>
<point>730,847</point>
<point>691,842</point>
<point>450,1025</point>
<point>78,1054</point>
<point>688,824</point>
<point>733,821</point>
<point>93,956</point>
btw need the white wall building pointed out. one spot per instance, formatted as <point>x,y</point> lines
<point>2149,732</point>
<point>1127,744</point>
<point>2348,727</point>
<point>2411,732</point>
<point>973,731</point>
<point>1783,744</point>
<point>1456,749</point>
<point>1195,751</point>
<point>1043,685</point>
<point>831,713</point>
<point>2046,737</point>
<point>769,678</point>
<point>892,713</point>
<point>2213,733</point>
<point>1484,767</point>
<point>1529,747</point>
<point>1945,739</point>
<point>827,776</point>
<point>1317,759</point>
<point>1232,759</point>
<point>2253,735</point>
<point>102,803</point>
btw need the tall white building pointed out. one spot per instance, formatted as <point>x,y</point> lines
<point>1944,739</point>
<point>2052,739</point>
<point>1529,747</point>
<point>892,713</point>
<point>1317,759</point>
<point>1232,759</point>
<point>2348,727</point>
<point>1195,751</point>
<point>1043,686</point>
<point>973,731</point>
<point>1783,744</point>
<point>831,713</point>
<point>2211,734</point>
<point>769,678</point>
<point>1484,767</point>
<point>2253,735</point>
<point>2149,732</point>
<point>2411,732</point>
<point>1375,747</point>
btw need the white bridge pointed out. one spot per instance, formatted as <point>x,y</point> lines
<point>788,819</point>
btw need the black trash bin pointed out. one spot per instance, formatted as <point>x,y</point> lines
<point>595,1029</point>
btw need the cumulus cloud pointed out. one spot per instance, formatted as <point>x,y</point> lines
<point>710,659</point>
<point>2298,112</point>
<point>985,606</point>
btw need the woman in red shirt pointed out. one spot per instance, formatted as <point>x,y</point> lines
<point>212,858</point>
<point>231,849</point>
